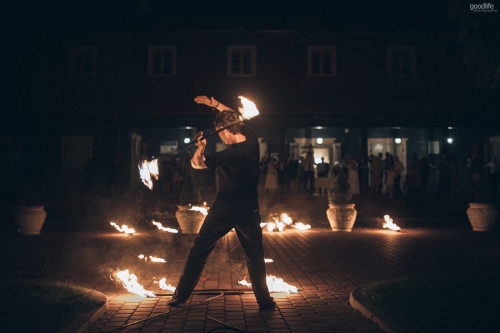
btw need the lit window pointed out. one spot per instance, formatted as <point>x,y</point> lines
<point>401,61</point>
<point>321,60</point>
<point>241,60</point>
<point>81,61</point>
<point>162,61</point>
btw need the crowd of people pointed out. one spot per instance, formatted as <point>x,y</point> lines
<point>376,175</point>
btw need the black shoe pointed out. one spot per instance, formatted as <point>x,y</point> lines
<point>175,303</point>
<point>267,306</point>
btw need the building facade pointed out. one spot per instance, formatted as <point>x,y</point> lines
<point>105,100</point>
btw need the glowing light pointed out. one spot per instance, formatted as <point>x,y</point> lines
<point>124,228</point>
<point>268,260</point>
<point>151,258</point>
<point>187,140</point>
<point>200,209</point>
<point>160,227</point>
<point>275,285</point>
<point>148,171</point>
<point>164,286</point>
<point>249,110</point>
<point>319,141</point>
<point>389,224</point>
<point>450,140</point>
<point>301,226</point>
<point>129,282</point>
<point>397,141</point>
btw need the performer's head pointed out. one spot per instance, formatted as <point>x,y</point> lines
<point>226,117</point>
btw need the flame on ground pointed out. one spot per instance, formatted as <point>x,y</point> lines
<point>275,285</point>
<point>148,171</point>
<point>268,260</point>
<point>164,286</point>
<point>160,227</point>
<point>202,209</point>
<point>283,221</point>
<point>124,228</point>
<point>389,224</point>
<point>151,258</point>
<point>301,226</point>
<point>129,282</point>
<point>249,110</point>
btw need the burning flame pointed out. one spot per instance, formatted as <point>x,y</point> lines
<point>147,171</point>
<point>249,110</point>
<point>275,285</point>
<point>129,281</point>
<point>124,228</point>
<point>301,226</point>
<point>263,224</point>
<point>268,260</point>
<point>164,286</point>
<point>151,258</point>
<point>390,224</point>
<point>286,219</point>
<point>160,227</point>
<point>202,209</point>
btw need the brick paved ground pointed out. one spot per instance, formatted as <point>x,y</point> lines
<point>326,266</point>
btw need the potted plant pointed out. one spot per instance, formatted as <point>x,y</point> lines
<point>30,215</point>
<point>341,213</point>
<point>483,213</point>
<point>189,219</point>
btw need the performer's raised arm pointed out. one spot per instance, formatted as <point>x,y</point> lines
<point>211,102</point>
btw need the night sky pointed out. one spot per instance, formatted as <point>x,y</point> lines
<point>265,15</point>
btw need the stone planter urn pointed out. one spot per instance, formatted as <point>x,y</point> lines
<point>482,216</point>
<point>30,219</point>
<point>341,216</point>
<point>190,221</point>
<point>341,213</point>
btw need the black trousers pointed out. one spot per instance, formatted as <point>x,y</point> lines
<point>214,228</point>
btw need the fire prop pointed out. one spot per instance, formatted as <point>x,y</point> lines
<point>164,286</point>
<point>124,228</point>
<point>389,224</point>
<point>151,258</point>
<point>202,209</point>
<point>129,282</point>
<point>275,285</point>
<point>281,222</point>
<point>160,227</point>
<point>149,170</point>
<point>301,226</point>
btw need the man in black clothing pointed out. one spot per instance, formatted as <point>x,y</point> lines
<point>236,205</point>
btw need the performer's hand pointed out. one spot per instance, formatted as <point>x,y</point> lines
<point>210,101</point>
<point>197,141</point>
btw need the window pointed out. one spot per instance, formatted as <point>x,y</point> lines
<point>81,61</point>
<point>162,61</point>
<point>321,60</point>
<point>241,60</point>
<point>401,60</point>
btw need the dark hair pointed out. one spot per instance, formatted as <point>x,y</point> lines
<point>226,117</point>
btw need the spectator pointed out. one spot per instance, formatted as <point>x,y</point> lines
<point>309,171</point>
<point>425,170</point>
<point>293,170</point>
<point>398,169</point>
<point>363,171</point>
<point>376,175</point>
<point>493,173</point>
<point>323,168</point>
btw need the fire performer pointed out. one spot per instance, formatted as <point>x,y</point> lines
<point>236,205</point>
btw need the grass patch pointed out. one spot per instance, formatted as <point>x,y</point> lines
<point>439,304</point>
<point>42,307</point>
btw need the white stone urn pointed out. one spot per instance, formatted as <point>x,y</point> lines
<point>30,219</point>
<point>341,216</point>
<point>190,221</point>
<point>482,216</point>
